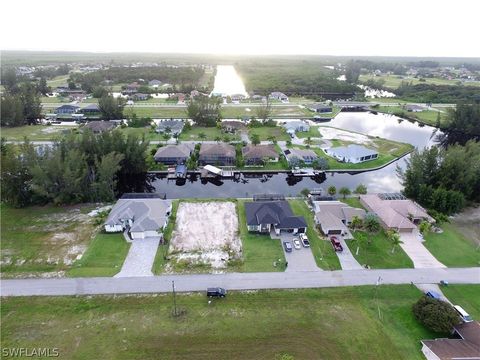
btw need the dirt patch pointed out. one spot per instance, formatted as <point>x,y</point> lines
<point>468,223</point>
<point>332,133</point>
<point>206,233</point>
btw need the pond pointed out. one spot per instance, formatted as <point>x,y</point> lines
<point>383,180</point>
<point>227,82</point>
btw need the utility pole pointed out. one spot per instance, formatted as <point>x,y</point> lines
<point>174,300</point>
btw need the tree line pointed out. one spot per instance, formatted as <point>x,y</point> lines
<point>77,168</point>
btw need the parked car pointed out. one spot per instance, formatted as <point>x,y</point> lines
<point>433,295</point>
<point>296,244</point>
<point>336,244</point>
<point>287,246</point>
<point>463,314</point>
<point>216,292</point>
<point>304,240</point>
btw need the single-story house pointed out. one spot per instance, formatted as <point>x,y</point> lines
<point>232,126</point>
<point>100,126</point>
<point>175,126</point>
<point>154,83</point>
<point>67,109</point>
<point>464,345</point>
<point>414,108</point>
<point>140,96</point>
<point>296,156</point>
<point>140,215</point>
<point>259,154</point>
<point>277,95</point>
<point>352,153</point>
<point>236,98</point>
<point>320,108</point>
<point>174,154</point>
<point>296,126</point>
<point>333,217</point>
<point>89,109</point>
<point>265,216</point>
<point>133,86</point>
<point>402,215</point>
<point>217,154</point>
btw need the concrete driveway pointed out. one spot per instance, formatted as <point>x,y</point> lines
<point>347,260</point>
<point>433,287</point>
<point>298,260</point>
<point>139,260</point>
<point>421,257</point>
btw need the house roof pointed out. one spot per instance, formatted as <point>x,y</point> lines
<point>300,154</point>
<point>100,126</point>
<point>351,151</point>
<point>68,106</point>
<point>221,150</point>
<point>174,151</point>
<point>318,106</point>
<point>295,124</point>
<point>414,107</point>
<point>467,347</point>
<point>154,82</point>
<point>91,107</point>
<point>233,124</point>
<point>333,213</point>
<point>174,125</point>
<point>148,214</point>
<point>273,212</point>
<point>259,151</point>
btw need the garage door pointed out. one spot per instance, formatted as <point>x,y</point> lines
<point>334,232</point>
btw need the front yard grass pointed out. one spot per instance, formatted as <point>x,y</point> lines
<point>322,250</point>
<point>375,250</point>
<point>264,132</point>
<point>162,250</point>
<point>353,201</point>
<point>332,323</point>
<point>452,248</point>
<point>104,257</point>
<point>467,296</point>
<point>210,132</point>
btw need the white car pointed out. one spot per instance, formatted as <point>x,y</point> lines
<point>296,244</point>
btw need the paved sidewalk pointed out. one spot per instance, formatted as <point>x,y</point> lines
<point>421,257</point>
<point>139,260</point>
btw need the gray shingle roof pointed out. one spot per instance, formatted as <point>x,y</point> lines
<point>259,151</point>
<point>273,212</point>
<point>221,150</point>
<point>174,151</point>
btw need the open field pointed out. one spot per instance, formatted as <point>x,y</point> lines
<point>375,250</point>
<point>452,248</point>
<point>265,132</point>
<point>43,240</point>
<point>322,250</point>
<point>58,81</point>
<point>104,257</point>
<point>394,81</point>
<point>339,323</point>
<point>211,133</point>
<point>428,117</point>
<point>35,132</point>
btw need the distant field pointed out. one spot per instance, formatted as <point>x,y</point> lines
<point>394,81</point>
<point>370,323</point>
<point>57,81</point>
<point>35,132</point>
<point>211,133</point>
<point>428,116</point>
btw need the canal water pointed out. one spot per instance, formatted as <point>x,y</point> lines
<point>383,180</point>
<point>228,82</point>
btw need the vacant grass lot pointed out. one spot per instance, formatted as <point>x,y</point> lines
<point>265,132</point>
<point>467,296</point>
<point>336,323</point>
<point>375,250</point>
<point>35,132</point>
<point>452,248</point>
<point>156,112</point>
<point>322,250</point>
<point>104,256</point>
<point>42,239</point>
<point>427,116</point>
<point>211,133</point>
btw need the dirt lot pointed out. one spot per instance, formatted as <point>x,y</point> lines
<point>206,233</point>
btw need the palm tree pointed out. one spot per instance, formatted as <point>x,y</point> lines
<point>332,190</point>
<point>218,139</point>
<point>308,141</point>
<point>371,223</point>
<point>202,136</point>
<point>255,139</point>
<point>356,223</point>
<point>394,237</point>
<point>344,191</point>
<point>273,139</point>
<point>166,137</point>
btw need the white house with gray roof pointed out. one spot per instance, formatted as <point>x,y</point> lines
<point>352,153</point>
<point>294,126</point>
<point>140,215</point>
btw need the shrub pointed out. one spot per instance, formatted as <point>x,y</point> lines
<point>435,315</point>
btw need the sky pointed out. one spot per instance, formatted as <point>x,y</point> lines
<point>348,27</point>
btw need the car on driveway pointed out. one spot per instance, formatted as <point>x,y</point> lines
<point>296,244</point>
<point>433,295</point>
<point>336,244</point>
<point>304,240</point>
<point>287,246</point>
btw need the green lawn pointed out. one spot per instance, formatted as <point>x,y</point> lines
<point>375,250</point>
<point>352,201</point>
<point>427,116</point>
<point>162,250</point>
<point>34,132</point>
<point>58,81</point>
<point>54,100</point>
<point>265,132</point>
<point>452,248</point>
<point>210,132</point>
<point>333,323</point>
<point>104,256</point>
<point>394,81</point>
<point>313,132</point>
<point>37,239</point>
<point>467,296</point>
<point>156,112</point>
<point>322,250</point>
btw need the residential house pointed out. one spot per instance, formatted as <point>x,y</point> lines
<point>265,216</point>
<point>352,153</point>
<point>297,156</point>
<point>233,126</point>
<point>279,96</point>
<point>139,215</point>
<point>236,98</point>
<point>67,109</point>
<point>100,126</point>
<point>395,212</point>
<point>294,126</point>
<point>217,154</point>
<point>320,108</point>
<point>259,154</point>
<point>414,108</point>
<point>90,109</point>
<point>174,127</point>
<point>174,154</point>
<point>333,217</point>
<point>132,88</point>
<point>140,97</point>
<point>154,83</point>
<point>465,344</point>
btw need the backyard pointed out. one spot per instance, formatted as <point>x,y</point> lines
<point>335,323</point>
<point>211,133</point>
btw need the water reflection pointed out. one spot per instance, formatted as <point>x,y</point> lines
<point>227,82</point>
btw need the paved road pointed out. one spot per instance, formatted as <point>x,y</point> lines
<point>235,281</point>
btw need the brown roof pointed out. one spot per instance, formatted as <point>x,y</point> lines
<point>468,347</point>
<point>259,151</point>
<point>100,126</point>
<point>217,150</point>
<point>234,124</point>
